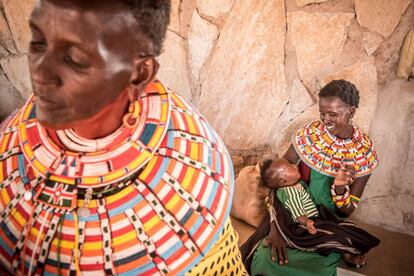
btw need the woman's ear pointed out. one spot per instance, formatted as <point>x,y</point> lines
<point>144,71</point>
<point>352,110</point>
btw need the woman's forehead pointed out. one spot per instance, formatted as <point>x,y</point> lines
<point>85,15</point>
<point>331,101</point>
<point>84,24</point>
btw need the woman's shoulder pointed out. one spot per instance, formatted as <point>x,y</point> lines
<point>186,118</point>
<point>361,137</point>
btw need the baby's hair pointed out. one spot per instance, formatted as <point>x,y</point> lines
<point>264,166</point>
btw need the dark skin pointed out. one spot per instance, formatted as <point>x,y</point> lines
<point>87,63</point>
<point>336,114</point>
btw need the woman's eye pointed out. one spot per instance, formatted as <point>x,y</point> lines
<point>37,45</point>
<point>78,64</point>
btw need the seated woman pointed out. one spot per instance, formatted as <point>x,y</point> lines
<point>321,148</point>
<point>305,228</point>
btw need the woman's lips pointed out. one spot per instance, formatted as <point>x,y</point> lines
<point>46,104</point>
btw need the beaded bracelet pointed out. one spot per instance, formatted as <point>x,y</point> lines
<point>341,200</point>
<point>355,200</point>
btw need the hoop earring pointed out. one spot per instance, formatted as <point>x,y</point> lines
<point>130,120</point>
<point>351,122</point>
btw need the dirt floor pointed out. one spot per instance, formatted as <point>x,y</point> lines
<point>394,256</point>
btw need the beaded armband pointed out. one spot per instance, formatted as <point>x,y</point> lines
<point>341,200</point>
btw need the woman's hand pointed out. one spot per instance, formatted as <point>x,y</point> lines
<point>345,176</point>
<point>277,245</point>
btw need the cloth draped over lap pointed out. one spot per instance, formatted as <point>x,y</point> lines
<point>334,234</point>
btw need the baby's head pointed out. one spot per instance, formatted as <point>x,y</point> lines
<point>279,173</point>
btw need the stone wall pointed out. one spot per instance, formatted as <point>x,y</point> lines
<point>254,68</point>
<point>14,39</point>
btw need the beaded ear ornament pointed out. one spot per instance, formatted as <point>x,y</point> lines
<point>130,119</point>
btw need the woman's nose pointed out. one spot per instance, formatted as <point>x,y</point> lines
<point>43,68</point>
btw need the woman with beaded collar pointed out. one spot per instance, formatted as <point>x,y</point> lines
<point>322,149</point>
<point>105,170</point>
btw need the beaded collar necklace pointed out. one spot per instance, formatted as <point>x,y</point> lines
<point>326,153</point>
<point>121,154</point>
<point>75,143</point>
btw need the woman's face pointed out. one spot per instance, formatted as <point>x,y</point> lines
<point>80,59</point>
<point>336,114</point>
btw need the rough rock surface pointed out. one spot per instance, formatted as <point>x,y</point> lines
<point>382,16</point>
<point>392,132</point>
<point>175,16</point>
<point>214,8</point>
<point>6,39</point>
<point>371,40</point>
<point>201,40</point>
<point>10,99</point>
<point>245,80</point>
<point>17,71</point>
<point>173,68</point>
<point>302,3</point>
<point>387,54</point>
<point>17,14</point>
<point>318,39</point>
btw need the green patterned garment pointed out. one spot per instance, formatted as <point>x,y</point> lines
<point>297,200</point>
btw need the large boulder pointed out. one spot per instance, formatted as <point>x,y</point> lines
<point>17,14</point>
<point>381,16</point>
<point>243,88</point>
<point>318,38</point>
<point>173,67</point>
<point>201,38</point>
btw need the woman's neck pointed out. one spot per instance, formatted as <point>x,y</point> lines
<point>347,133</point>
<point>105,122</point>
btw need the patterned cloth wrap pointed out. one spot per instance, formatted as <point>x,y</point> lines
<point>160,197</point>
<point>326,153</point>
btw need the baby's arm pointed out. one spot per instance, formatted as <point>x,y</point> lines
<point>293,202</point>
<point>305,221</point>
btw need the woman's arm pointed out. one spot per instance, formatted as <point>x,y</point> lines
<point>291,155</point>
<point>356,188</point>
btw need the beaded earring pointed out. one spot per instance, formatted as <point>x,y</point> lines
<point>130,119</point>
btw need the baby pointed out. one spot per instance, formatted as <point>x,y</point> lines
<point>292,194</point>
